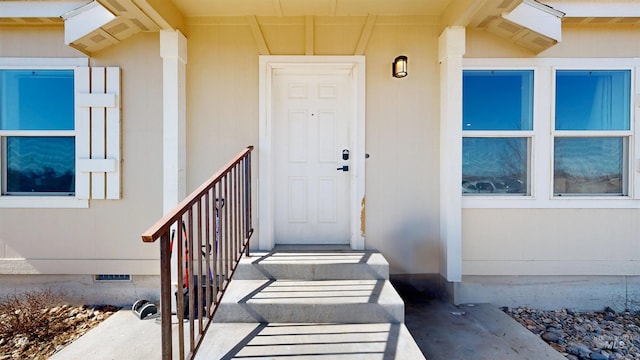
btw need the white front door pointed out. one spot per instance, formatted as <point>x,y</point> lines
<point>311,109</point>
<point>311,157</point>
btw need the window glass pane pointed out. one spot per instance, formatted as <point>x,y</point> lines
<point>593,100</point>
<point>495,165</point>
<point>588,165</point>
<point>40,164</point>
<point>36,100</point>
<point>497,100</point>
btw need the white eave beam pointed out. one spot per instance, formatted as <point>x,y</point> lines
<point>82,21</point>
<point>537,17</point>
<point>38,9</point>
<point>592,9</point>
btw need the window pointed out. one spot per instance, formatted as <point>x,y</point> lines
<point>550,133</point>
<point>497,125</point>
<point>37,132</point>
<point>592,132</point>
<point>59,133</point>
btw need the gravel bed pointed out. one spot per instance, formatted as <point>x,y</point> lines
<point>601,335</point>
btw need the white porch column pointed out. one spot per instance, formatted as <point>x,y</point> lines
<point>451,49</point>
<point>173,50</point>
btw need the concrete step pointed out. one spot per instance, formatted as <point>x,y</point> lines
<point>314,301</point>
<point>308,341</point>
<point>313,265</point>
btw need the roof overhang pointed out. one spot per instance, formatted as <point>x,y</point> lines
<point>527,23</point>
<point>89,26</point>
<point>85,20</point>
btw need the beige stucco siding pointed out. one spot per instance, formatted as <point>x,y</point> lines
<point>105,238</point>
<point>401,117</point>
<point>403,140</point>
<point>551,242</point>
<point>222,98</point>
<point>35,42</point>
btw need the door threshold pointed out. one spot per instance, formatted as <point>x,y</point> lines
<point>311,247</point>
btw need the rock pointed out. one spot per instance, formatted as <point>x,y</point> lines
<point>579,329</point>
<point>598,356</point>
<point>550,337</point>
<point>580,350</point>
<point>609,310</point>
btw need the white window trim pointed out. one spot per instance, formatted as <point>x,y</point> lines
<point>42,201</point>
<point>542,139</point>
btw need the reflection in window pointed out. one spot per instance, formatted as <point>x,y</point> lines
<point>40,165</point>
<point>37,142</point>
<point>36,100</point>
<point>588,165</point>
<point>593,100</point>
<point>497,100</point>
<point>598,101</point>
<point>495,165</point>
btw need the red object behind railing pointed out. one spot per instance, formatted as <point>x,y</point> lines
<point>209,231</point>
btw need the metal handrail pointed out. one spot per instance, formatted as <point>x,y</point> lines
<point>211,228</point>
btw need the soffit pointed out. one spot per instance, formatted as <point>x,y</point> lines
<point>494,18</point>
<point>132,17</point>
<point>129,20</point>
<point>193,8</point>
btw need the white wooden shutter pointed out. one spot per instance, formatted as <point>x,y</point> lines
<point>97,122</point>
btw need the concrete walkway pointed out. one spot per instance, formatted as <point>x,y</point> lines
<point>441,330</point>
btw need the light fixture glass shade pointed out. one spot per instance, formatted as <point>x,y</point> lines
<point>400,67</point>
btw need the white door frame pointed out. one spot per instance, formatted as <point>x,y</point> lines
<point>315,64</point>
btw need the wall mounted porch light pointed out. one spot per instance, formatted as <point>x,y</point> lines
<point>399,68</point>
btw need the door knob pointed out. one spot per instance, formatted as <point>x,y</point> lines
<point>343,168</point>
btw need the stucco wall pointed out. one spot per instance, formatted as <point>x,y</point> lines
<point>551,242</point>
<point>105,238</point>
<point>554,241</point>
<point>401,116</point>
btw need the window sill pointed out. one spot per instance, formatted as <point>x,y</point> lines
<point>43,202</point>
<point>592,202</point>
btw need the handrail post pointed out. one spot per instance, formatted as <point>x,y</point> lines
<point>247,198</point>
<point>165,295</point>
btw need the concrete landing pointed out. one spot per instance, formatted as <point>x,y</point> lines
<point>121,336</point>
<point>472,331</point>
<point>305,341</point>
<point>478,332</point>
